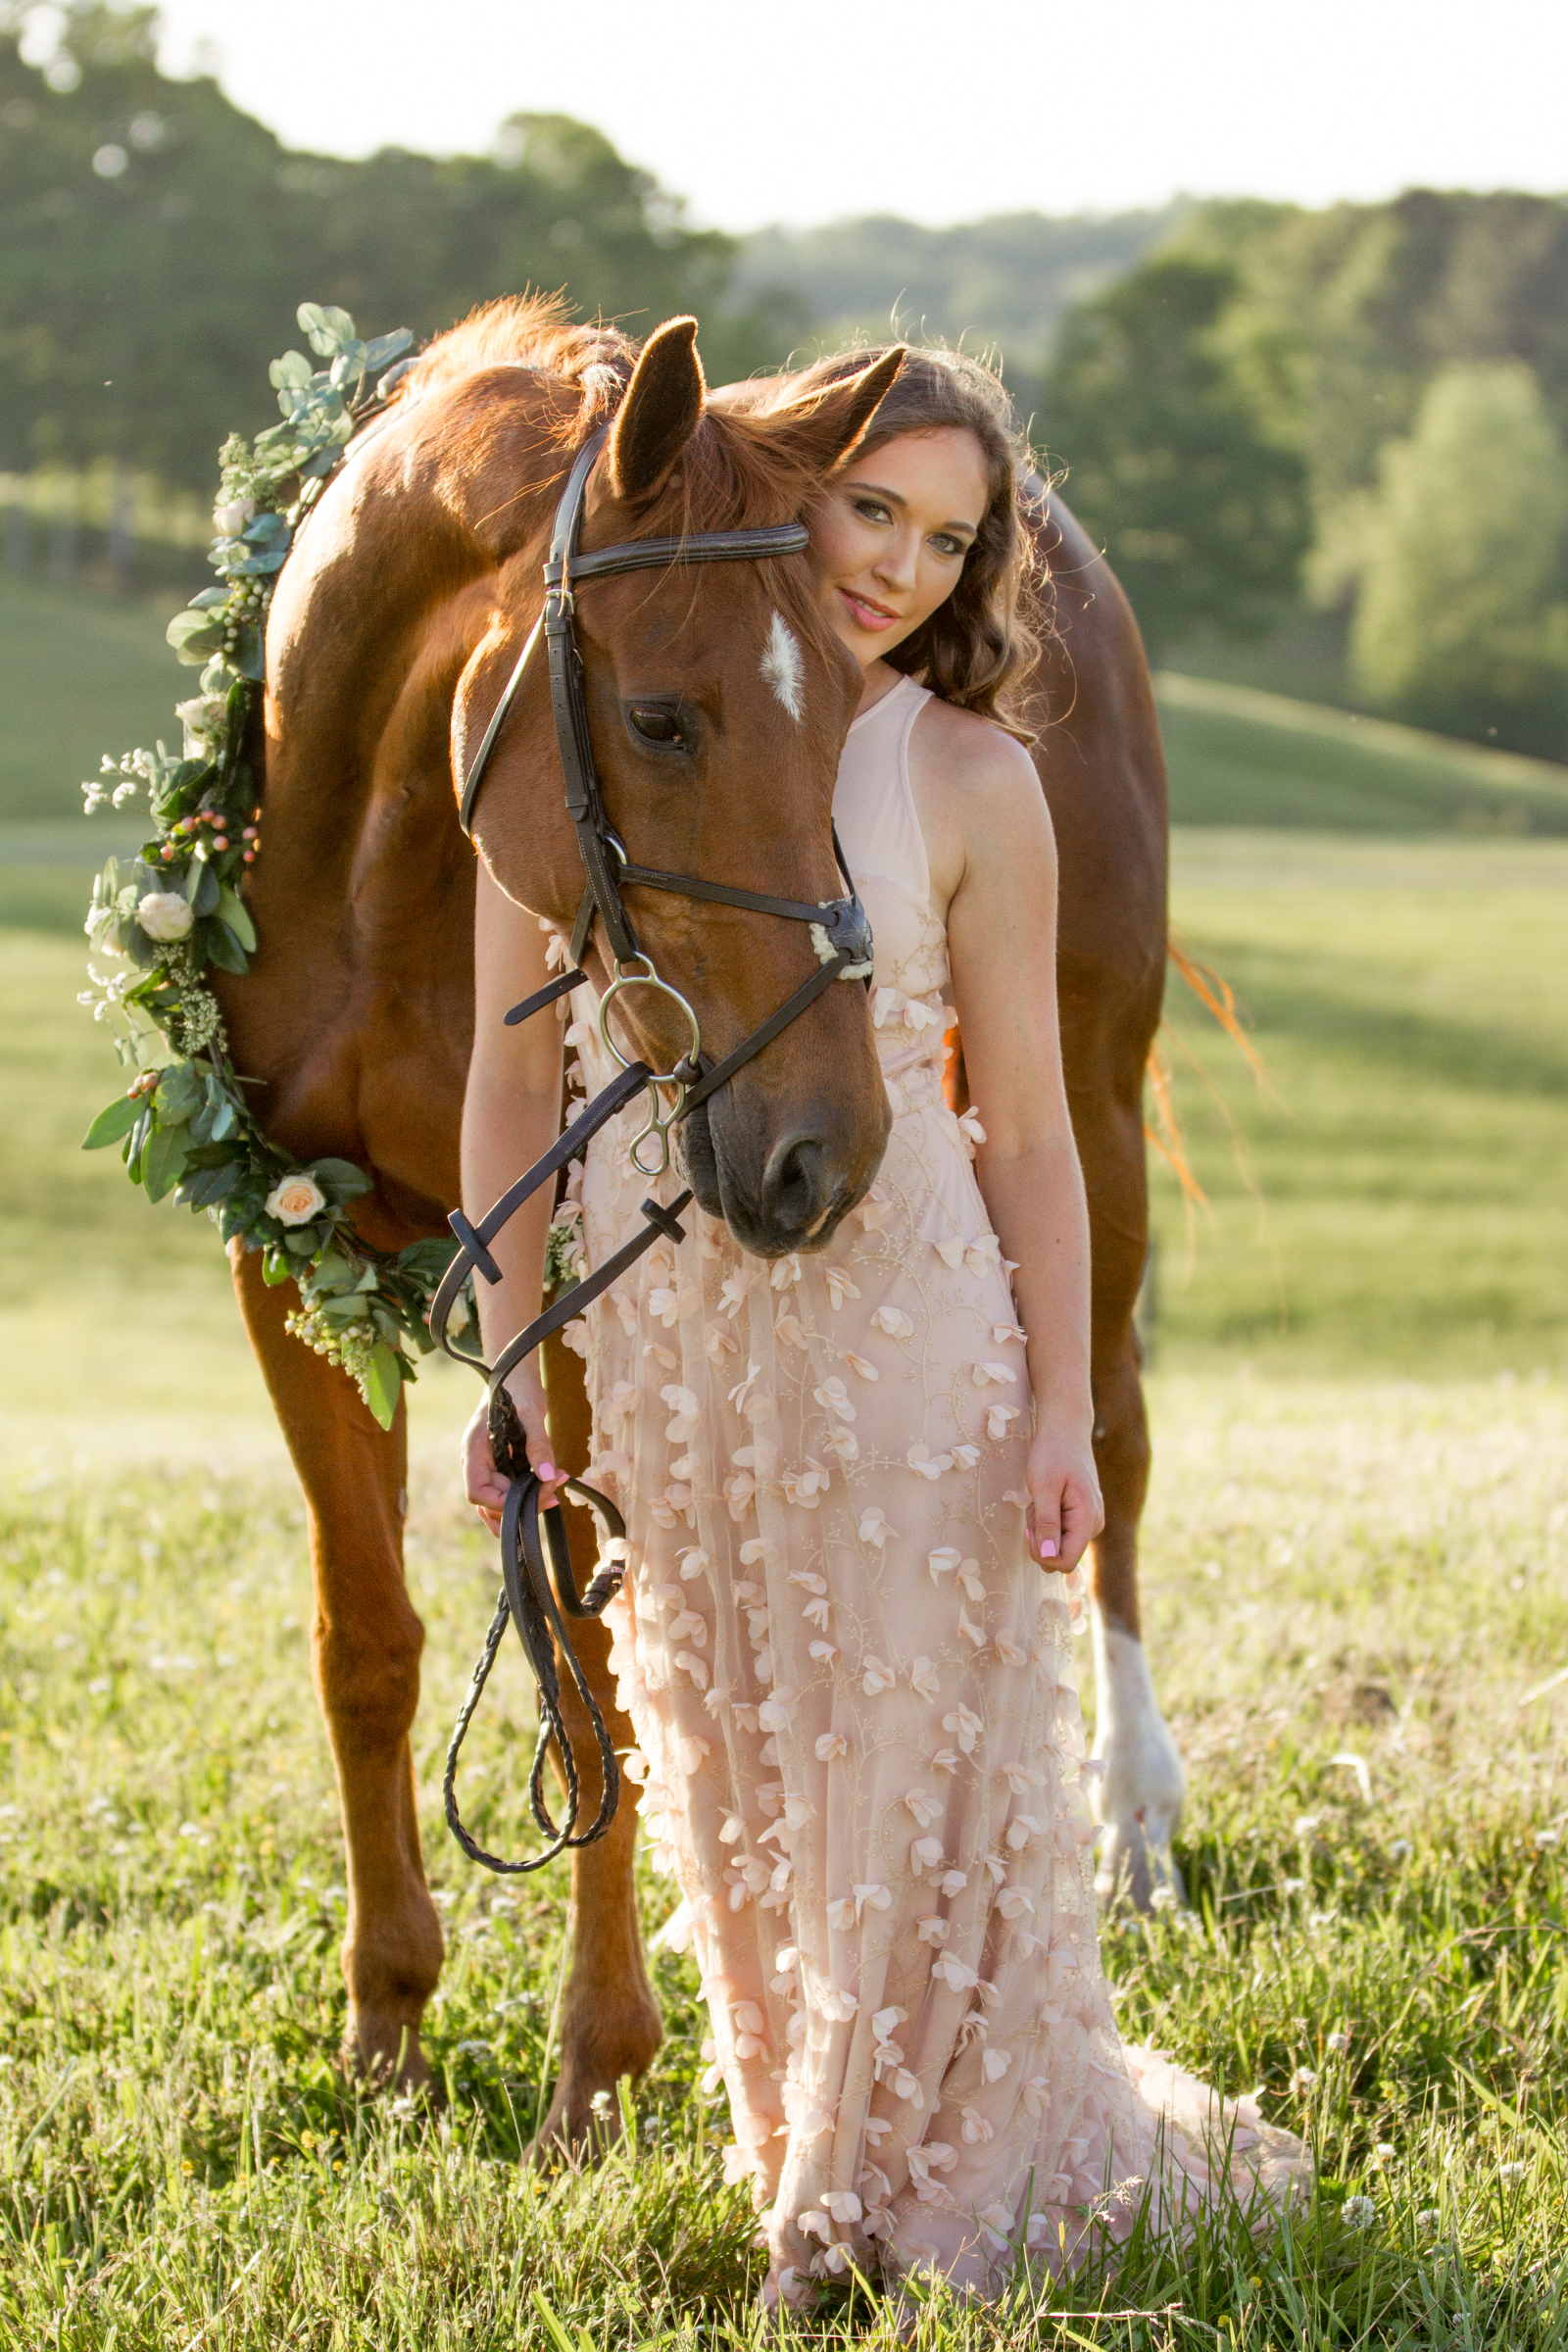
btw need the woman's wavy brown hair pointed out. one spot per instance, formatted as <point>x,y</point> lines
<point>978,645</point>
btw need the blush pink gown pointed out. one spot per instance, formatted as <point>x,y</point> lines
<point>857,1715</point>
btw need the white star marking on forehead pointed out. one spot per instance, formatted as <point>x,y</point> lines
<point>783,669</point>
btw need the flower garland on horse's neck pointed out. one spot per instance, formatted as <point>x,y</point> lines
<point>182,1122</point>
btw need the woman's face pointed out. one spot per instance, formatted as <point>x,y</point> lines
<point>889,539</point>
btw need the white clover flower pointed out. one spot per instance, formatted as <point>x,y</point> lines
<point>1512,2172</point>
<point>1304,2079</point>
<point>1401,1850</point>
<point>165,915</point>
<point>1360,2213</point>
<point>1336,2042</point>
<point>1428,2217</point>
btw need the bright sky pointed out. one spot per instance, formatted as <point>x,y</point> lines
<point>811,109</point>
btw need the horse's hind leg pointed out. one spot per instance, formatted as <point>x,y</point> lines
<point>366,1652</point>
<point>609,2022</point>
<point>1139,1800</point>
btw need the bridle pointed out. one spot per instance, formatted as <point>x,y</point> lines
<point>534,1600</point>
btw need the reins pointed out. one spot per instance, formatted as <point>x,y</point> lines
<point>539,1591</point>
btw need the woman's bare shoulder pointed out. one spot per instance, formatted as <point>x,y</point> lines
<point>972,761</point>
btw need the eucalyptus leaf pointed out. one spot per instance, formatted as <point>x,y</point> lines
<point>221,947</point>
<point>178,1095</point>
<point>236,915</point>
<point>209,1186</point>
<point>383,1383</point>
<point>162,1162</point>
<point>293,368</point>
<point>382,348</point>
<point>208,598</point>
<point>341,1179</point>
<point>226,1120</point>
<point>194,635</point>
<point>117,1118</point>
<point>324,327</point>
<point>250,655</point>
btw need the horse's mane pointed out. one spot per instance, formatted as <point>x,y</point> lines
<point>735,473</point>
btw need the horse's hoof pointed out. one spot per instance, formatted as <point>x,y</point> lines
<point>1135,1870</point>
<point>385,2055</point>
<point>579,2129</point>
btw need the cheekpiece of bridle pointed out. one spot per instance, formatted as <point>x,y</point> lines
<point>539,1592</point>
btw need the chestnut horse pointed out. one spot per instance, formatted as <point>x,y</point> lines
<point>393,629</point>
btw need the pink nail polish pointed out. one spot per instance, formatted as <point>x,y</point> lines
<point>548,1470</point>
<point>1047,1547</point>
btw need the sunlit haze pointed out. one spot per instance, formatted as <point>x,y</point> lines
<point>813,112</point>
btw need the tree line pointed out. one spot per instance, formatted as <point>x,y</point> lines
<point>1361,409</point>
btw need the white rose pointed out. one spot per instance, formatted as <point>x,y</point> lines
<point>165,914</point>
<point>295,1200</point>
<point>231,519</point>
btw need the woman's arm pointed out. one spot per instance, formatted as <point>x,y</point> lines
<point>995,837</point>
<point>511,1115</point>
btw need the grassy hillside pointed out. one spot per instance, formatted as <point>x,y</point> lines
<point>86,674</point>
<point>1239,757</point>
<point>83,675</point>
<point>1410,1001</point>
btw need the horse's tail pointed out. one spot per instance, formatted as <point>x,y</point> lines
<point>1163,1130</point>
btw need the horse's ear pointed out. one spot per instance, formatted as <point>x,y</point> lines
<point>825,427</point>
<point>662,409</point>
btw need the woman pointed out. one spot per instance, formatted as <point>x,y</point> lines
<point>859,1486</point>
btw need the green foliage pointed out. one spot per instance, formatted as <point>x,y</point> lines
<point>1460,619</point>
<point>155,236</point>
<point>1170,458</point>
<point>183,1119</point>
<point>1006,280</point>
<point>1360,309</point>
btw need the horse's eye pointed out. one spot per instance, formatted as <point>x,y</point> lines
<point>656,724</point>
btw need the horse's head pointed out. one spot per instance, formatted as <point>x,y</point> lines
<point>717,702</point>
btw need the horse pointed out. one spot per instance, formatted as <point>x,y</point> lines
<point>392,631</point>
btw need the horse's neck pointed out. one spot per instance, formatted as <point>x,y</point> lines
<point>391,586</point>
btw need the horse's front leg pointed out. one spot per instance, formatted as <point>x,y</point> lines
<point>366,1649</point>
<point>609,2022</point>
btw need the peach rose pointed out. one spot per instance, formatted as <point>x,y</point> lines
<point>295,1200</point>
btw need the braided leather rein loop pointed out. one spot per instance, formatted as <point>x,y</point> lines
<point>538,1590</point>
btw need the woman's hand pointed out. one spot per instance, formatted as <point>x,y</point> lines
<point>1065,1508</point>
<point>483,1483</point>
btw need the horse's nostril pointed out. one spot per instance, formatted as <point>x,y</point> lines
<point>797,1185</point>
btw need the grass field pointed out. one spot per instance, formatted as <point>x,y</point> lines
<point>1345,1578</point>
<point>1356,1565</point>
